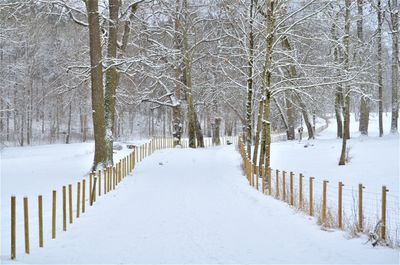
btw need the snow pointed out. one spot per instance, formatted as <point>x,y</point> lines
<point>37,170</point>
<point>374,163</point>
<point>374,160</point>
<point>192,206</point>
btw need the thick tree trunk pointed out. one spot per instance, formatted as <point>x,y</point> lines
<point>111,80</point>
<point>364,102</point>
<point>216,129</point>
<point>265,155</point>
<point>96,77</point>
<point>394,14</point>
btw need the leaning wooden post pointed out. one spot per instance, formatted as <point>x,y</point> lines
<point>300,191</point>
<point>26,225</point>
<point>291,189</point>
<point>324,189</point>
<point>64,205</point>
<point>277,184</point>
<point>53,215</point>
<point>83,194</point>
<point>284,185</point>
<point>360,208</point>
<point>311,197</point>
<point>78,199</point>
<point>90,184</point>
<point>269,181</point>
<point>13,227</point>
<point>70,203</point>
<point>340,205</point>
<point>383,218</point>
<point>40,215</point>
<point>93,198</point>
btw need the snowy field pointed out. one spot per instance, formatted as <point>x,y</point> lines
<point>374,163</point>
<point>37,170</point>
<point>374,160</point>
<point>195,206</point>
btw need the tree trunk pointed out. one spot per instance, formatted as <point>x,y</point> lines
<point>67,138</point>
<point>177,123</point>
<point>364,102</point>
<point>265,155</point>
<point>249,107</point>
<point>394,14</point>
<point>216,140</point>
<point>304,112</point>
<point>339,89</point>
<point>96,77</point>
<point>346,96</point>
<point>380,60</point>
<point>290,119</point>
<point>111,80</point>
<point>199,133</point>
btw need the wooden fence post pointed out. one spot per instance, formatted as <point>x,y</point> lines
<point>300,191</point>
<point>257,173</point>
<point>93,198</point>
<point>105,181</point>
<point>311,197</point>
<point>284,185</point>
<point>83,194</point>
<point>99,183</point>
<point>269,181</point>
<point>13,227</point>
<point>291,189</point>
<point>26,225</point>
<point>360,208</point>
<point>277,184</point>
<point>64,205</point>
<point>70,203</point>
<point>263,175</point>
<point>40,212</point>
<point>90,185</point>
<point>53,215</point>
<point>340,205</point>
<point>78,199</point>
<point>383,217</point>
<point>324,190</point>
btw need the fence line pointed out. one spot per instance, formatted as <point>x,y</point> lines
<point>112,177</point>
<point>334,205</point>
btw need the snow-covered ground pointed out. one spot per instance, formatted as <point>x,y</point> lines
<point>374,163</point>
<point>37,170</point>
<point>195,206</point>
<point>374,160</point>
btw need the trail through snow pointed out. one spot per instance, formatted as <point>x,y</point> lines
<point>195,206</point>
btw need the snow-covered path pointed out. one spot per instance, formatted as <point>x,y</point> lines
<point>194,206</point>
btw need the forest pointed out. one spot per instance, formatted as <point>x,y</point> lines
<point>75,71</point>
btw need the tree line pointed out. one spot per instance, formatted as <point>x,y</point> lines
<point>107,69</point>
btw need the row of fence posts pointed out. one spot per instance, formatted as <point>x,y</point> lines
<point>107,179</point>
<point>253,172</point>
